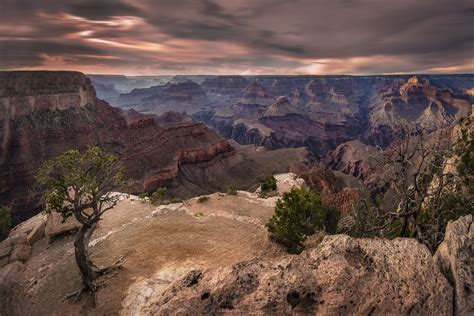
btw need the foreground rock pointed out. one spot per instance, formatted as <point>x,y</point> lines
<point>57,225</point>
<point>343,275</point>
<point>455,258</point>
<point>14,248</point>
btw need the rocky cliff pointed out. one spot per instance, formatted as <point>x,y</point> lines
<point>22,93</point>
<point>342,275</point>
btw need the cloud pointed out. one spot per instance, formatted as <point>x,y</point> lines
<point>219,36</point>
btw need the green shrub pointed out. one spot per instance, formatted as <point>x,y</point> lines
<point>143,196</point>
<point>202,199</point>
<point>300,213</point>
<point>232,191</point>
<point>159,196</point>
<point>269,184</point>
<point>198,214</point>
<point>175,200</point>
<point>5,220</point>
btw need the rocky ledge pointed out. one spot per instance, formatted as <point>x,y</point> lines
<point>342,275</point>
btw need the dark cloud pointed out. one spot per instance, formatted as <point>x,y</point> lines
<point>97,10</point>
<point>354,36</point>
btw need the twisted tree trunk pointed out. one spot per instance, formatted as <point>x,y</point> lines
<point>81,251</point>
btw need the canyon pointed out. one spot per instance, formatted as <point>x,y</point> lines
<point>42,114</point>
<point>317,112</point>
<point>198,136</point>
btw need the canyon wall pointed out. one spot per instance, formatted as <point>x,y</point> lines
<point>42,114</point>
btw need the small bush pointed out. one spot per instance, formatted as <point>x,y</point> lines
<point>300,213</point>
<point>202,199</point>
<point>199,214</point>
<point>231,191</point>
<point>175,200</point>
<point>5,221</point>
<point>268,187</point>
<point>143,196</point>
<point>269,184</point>
<point>159,196</point>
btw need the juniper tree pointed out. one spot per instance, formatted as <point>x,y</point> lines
<point>300,213</point>
<point>78,184</point>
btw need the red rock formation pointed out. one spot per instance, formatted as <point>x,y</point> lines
<point>410,104</point>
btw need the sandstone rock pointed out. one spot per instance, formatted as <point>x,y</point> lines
<point>5,250</point>
<point>4,260</point>
<point>37,233</point>
<point>29,225</point>
<point>455,258</point>
<point>9,277</point>
<point>14,248</point>
<point>20,252</point>
<point>343,275</point>
<point>56,225</point>
<point>16,239</point>
<point>163,209</point>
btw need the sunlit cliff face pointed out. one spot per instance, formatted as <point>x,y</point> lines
<point>238,37</point>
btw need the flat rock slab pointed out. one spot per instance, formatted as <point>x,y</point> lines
<point>56,225</point>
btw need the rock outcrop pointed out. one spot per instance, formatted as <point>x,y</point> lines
<point>354,158</point>
<point>22,93</point>
<point>455,258</point>
<point>281,107</point>
<point>342,275</point>
<point>415,103</point>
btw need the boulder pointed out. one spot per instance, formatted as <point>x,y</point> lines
<point>20,252</point>
<point>9,281</point>
<point>14,248</point>
<point>36,233</point>
<point>342,276</point>
<point>56,225</point>
<point>455,258</point>
<point>166,208</point>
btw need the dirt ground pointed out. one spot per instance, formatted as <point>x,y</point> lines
<point>162,243</point>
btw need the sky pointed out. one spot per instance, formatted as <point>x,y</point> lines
<point>249,37</point>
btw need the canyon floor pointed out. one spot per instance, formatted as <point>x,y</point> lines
<point>162,243</point>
